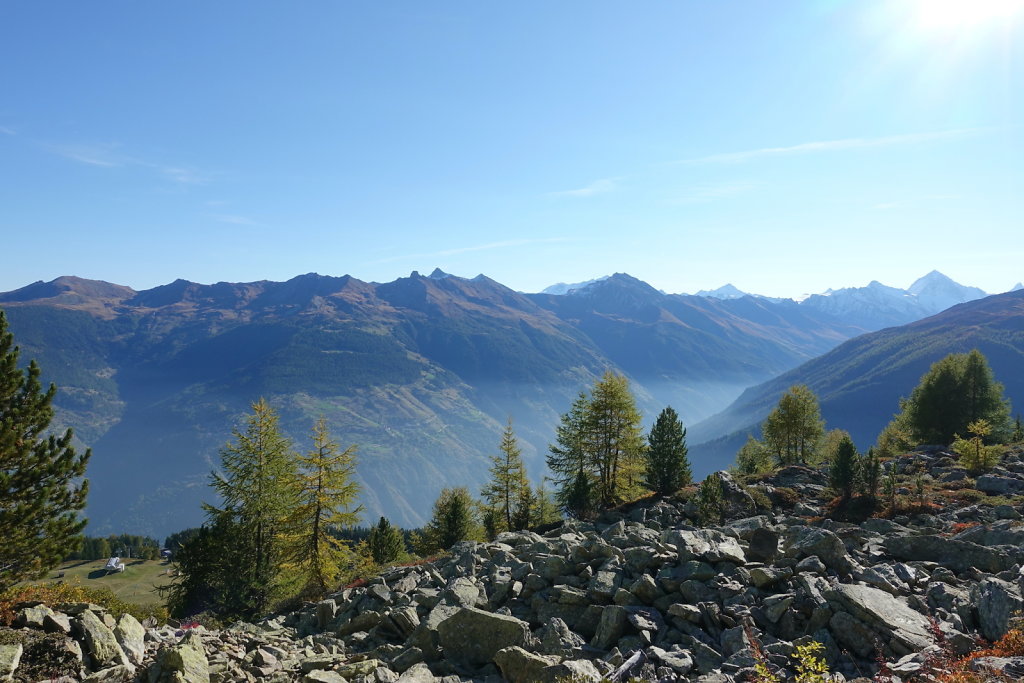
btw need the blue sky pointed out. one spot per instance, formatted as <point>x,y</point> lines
<point>785,147</point>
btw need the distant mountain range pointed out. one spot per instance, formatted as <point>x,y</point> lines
<point>859,383</point>
<point>872,307</point>
<point>421,372</point>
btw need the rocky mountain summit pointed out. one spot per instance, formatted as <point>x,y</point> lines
<point>643,591</point>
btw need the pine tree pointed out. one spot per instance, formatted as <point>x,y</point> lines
<point>668,467</point>
<point>508,491</point>
<point>326,490</point>
<point>870,473</point>
<point>454,519</point>
<point>614,442</point>
<point>794,428</point>
<point>41,490</point>
<point>956,390</point>
<point>258,493</point>
<point>843,470</point>
<point>569,463</point>
<point>385,542</point>
<point>1018,431</point>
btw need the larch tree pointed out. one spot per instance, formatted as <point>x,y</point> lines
<point>668,467</point>
<point>614,441</point>
<point>41,487</point>
<point>257,491</point>
<point>794,428</point>
<point>326,490</point>
<point>508,491</point>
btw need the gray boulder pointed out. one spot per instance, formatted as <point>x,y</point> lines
<point>10,658</point>
<point>899,628</point>
<point>100,642</point>
<point>996,602</point>
<point>521,666</point>
<point>474,636</point>
<point>960,556</point>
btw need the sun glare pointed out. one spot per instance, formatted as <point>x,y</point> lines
<point>957,15</point>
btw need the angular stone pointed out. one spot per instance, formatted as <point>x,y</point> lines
<point>519,666</point>
<point>997,602</point>
<point>10,658</point>
<point>417,673</point>
<point>804,541</point>
<point>995,485</point>
<point>960,556</point>
<point>603,586</point>
<point>57,622</point>
<point>100,642</point>
<point>115,674</point>
<point>131,637</point>
<point>763,546</point>
<point>325,611</point>
<point>557,638</point>
<point>474,636</point>
<point>611,627</point>
<point>900,628</point>
<point>405,620</point>
<point>32,617</point>
<point>677,659</point>
<point>707,544</point>
<point>575,670</point>
<point>182,663</point>
<point>323,676</point>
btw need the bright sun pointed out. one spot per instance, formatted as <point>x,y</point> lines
<point>965,14</point>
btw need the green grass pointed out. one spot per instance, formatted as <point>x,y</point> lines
<point>136,584</point>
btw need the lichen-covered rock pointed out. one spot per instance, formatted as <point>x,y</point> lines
<point>474,636</point>
<point>996,602</point>
<point>184,662</point>
<point>10,657</point>
<point>520,666</point>
<point>100,642</point>
<point>131,637</point>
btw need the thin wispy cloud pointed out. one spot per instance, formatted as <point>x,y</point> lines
<point>597,187</point>
<point>233,219</point>
<point>110,156</point>
<point>490,246</point>
<point>7,130</point>
<point>913,201</point>
<point>830,146</point>
<point>712,192</point>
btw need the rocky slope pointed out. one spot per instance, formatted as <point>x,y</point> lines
<point>641,592</point>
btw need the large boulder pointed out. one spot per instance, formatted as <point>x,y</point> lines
<point>960,556</point>
<point>804,541</point>
<point>182,663</point>
<point>521,666</point>
<point>996,602</point>
<point>10,657</point>
<point>900,629</point>
<point>709,545</point>
<point>100,642</point>
<point>474,636</point>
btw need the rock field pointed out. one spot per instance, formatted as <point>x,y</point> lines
<point>642,592</point>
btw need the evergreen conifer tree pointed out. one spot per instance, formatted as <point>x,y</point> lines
<point>454,519</point>
<point>956,391</point>
<point>258,494</point>
<point>1018,431</point>
<point>385,542</point>
<point>41,490</point>
<point>871,473</point>
<point>508,491</point>
<point>326,491</point>
<point>668,467</point>
<point>569,462</point>
<point>843,469</point>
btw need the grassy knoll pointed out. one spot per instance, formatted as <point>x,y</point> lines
<point>136,584</point>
